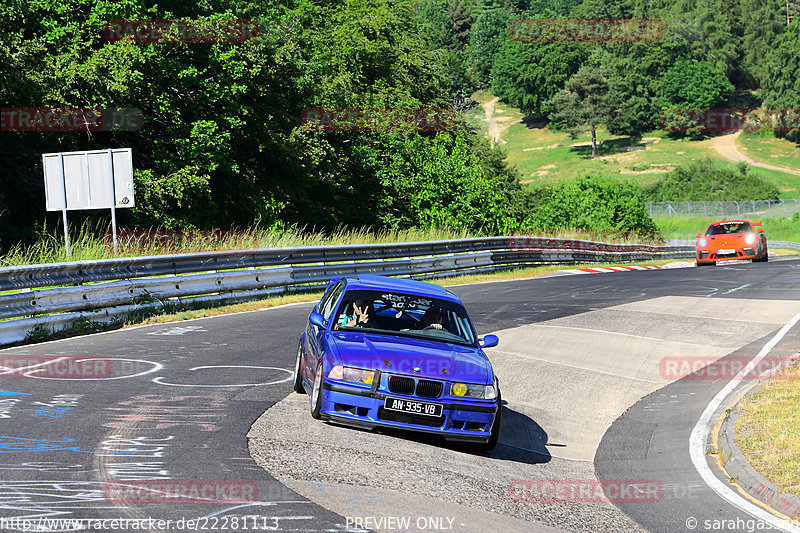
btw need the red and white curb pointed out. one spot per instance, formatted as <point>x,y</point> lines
<point>599,270</point>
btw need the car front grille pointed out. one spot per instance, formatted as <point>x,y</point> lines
<point>401,385</point>
<point>429,389</point>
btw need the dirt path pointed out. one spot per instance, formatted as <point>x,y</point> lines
<point>495,125</point>
<point>725,145</point>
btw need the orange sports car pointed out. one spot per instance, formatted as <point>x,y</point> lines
<point>731,239</point>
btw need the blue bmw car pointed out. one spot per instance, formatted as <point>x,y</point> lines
<point>390,352</point>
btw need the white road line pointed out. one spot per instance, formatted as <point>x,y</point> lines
<point>697,442</point>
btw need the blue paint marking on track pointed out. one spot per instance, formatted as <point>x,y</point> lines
<point>12,393</point>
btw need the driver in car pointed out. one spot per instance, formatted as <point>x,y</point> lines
<point>432,318</point>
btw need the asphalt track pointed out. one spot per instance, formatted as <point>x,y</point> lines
<point>175,402</point>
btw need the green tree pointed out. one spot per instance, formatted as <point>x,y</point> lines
<point>782,85</point>
<point>486,38</point>
<point>460,17</point>
<point>528,75</point>
<point>637,70</point>
<point>694,85</point>
<point>765,21</point>
<point>691,85</point>
<point>588,100</point>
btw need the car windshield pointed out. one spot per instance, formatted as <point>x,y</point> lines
<point>729,227</point>
<point>405,314</point>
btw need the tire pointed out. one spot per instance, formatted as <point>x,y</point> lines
<point>316,394</point>
<point>763,255</point>
<point>298,371</point>
<point>706,263</point>
<point>495,433</point>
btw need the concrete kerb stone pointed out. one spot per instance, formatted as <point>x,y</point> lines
<point>738,469</point>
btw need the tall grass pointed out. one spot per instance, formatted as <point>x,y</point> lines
<point>90,242</point>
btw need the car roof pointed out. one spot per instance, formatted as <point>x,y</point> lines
<point>729,222</point>
<point>369,281</point>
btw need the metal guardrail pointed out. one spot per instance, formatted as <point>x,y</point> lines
<point>54,296</point>
<point>715,209</point>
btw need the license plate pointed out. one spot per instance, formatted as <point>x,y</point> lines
<point>725,251</point>
<point>413,407</point>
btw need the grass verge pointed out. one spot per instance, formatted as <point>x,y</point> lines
<point>768,430</point>
<point>767,148</point>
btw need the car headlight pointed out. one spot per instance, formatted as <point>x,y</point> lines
<point>702,242</point>
<point>348,373</point>
<point>469,390</point>
<point>750,238</point>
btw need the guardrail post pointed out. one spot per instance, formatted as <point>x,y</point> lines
<point>705,210</point>
<point>721,210</point>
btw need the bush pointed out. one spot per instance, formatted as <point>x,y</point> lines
<point>593,203</point>
<point>709,180</point>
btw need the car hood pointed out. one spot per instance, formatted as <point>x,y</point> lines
<point>411,356</point>
<point>731,239</point>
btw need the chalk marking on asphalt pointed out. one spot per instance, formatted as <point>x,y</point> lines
<point>26,368</point>
<point>697,441</point>
<point>284,380</point>
<point>737,288</point>
<point>156,368</point>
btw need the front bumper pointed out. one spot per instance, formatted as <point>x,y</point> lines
<point>460,421</point>
<point>746,252</point>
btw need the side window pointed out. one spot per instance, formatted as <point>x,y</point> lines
<point>326,307</point>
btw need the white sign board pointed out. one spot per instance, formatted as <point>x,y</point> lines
<point>85,181</point>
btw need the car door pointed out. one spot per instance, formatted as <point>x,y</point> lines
<point>315,334</point>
